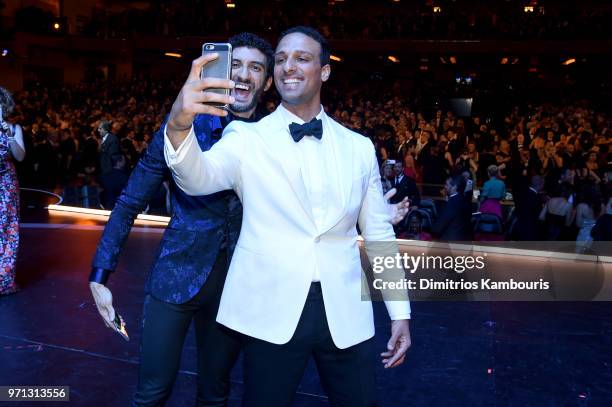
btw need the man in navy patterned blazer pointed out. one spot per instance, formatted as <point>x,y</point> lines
<point>188,275</point>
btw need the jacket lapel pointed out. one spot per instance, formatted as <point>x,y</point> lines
<point>342,153</point>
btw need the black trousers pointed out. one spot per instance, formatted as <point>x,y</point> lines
<point>273,372</point>
<point>165,326</point>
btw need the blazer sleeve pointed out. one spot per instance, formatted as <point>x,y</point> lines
<point>204,173</point>
<point>376,229</point>
<point>144,182</point>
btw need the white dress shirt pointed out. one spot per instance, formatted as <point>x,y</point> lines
<point>315,159</point>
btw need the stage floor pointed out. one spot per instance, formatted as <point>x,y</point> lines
<point>463,353</point>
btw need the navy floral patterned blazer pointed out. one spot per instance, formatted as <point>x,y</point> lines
<point>198,227</point>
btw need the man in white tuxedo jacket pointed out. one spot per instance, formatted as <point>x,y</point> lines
<point>294,284</point>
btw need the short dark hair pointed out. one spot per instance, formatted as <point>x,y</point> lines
<point>250,40</point>
<point>105,125</point>
<point>315,35</point>
<point>458,181</point>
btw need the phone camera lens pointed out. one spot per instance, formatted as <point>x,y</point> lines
<point>209,47</point>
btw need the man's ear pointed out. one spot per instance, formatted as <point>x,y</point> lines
<point>325,72</point>
<point>268,84</point>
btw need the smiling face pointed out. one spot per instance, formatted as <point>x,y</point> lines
<point>298,74</point>
<point>249,73</point>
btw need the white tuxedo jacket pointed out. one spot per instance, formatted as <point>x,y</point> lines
<point>279,246</point>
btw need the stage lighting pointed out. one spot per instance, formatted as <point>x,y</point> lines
<point>90,213</point>
<point>335,58</point>
<point>504,61</point>
<point>393,59</point>
<point>437,9</point>
<point>230,4</point>
<point>4,52</point>
<point>569,61</point>
<point>528,9</point>
<point>173,54</point>
<point>453,60</point>
<point>57,26</point>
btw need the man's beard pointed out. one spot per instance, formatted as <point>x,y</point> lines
<point>241,108</point>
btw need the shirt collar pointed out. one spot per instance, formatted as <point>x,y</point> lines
<point>289,117</point>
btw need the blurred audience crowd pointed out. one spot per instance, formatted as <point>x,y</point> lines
<point>560,152</point>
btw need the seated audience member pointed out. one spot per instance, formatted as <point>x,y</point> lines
<point>493,192</point>
<point>414,229</point>
<point>558,214</point>
<point>454,222</point>
<point>406,187</point>
<point>387,175</point>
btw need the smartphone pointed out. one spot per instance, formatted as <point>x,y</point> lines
<point>219,68</point>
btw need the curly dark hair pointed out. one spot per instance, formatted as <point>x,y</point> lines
<point>6,101</point>
<point>315,35</point>
<point>250,40</point>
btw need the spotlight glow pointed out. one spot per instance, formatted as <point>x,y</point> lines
<point>104,213</point>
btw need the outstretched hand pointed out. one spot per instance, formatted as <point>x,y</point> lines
<point>399,210</point>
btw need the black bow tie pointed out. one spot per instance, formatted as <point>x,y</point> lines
<point>313,128</point>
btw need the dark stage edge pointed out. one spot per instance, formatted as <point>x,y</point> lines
<point>477,354</point>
